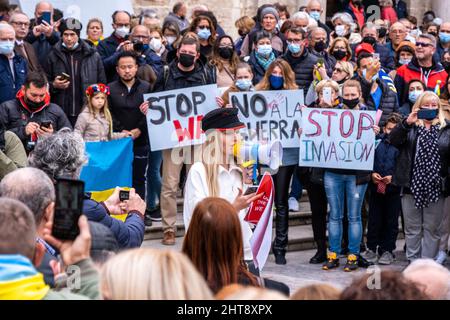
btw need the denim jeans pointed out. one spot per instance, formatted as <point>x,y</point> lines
<point>296,188</point>
<point>153,178</point>
<point>336,187</point>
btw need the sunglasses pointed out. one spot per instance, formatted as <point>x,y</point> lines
<point>338,70</point>
<point>423,44</point>
<point>203,27</point>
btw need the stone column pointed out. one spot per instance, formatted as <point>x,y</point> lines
<point>441,8</point>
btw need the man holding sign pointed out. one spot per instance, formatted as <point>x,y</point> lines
<point>185,72</point>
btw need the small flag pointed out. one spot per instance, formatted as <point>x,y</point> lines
<point>437,89</point>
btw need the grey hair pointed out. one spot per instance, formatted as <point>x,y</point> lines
<point>429,37</point>
<point>313,30</point>
<point>15,14</point>
<point>30,186</point>
<point>60,154</point>
<point>6,26</point>
<point>344,16</point>
<point>300,15</point>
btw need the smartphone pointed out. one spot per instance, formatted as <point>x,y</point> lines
<point>427,114</point>
<point>46,16</point>
<point>251,190</point>
<point>327,95</point>
<point>124,195</point>
<point>68,208</point>
<point>46,123</point>
<point>64,76</point>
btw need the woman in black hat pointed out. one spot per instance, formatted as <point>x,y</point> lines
<point>216,174</point>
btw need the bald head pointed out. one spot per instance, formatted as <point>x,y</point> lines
<point>140,33</point>
<point>20,23</point>
<point>7,32</point>
<point>397,33</point>
<point>41,7</point>
<point>445,27</point>
<point>314,5</point>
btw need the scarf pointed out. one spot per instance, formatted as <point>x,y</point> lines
<point>19,280</point>
<point>265,63</point>
<point>95,43</point>
<point>426,179</point>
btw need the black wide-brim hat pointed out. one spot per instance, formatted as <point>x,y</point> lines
<point>222,119</point>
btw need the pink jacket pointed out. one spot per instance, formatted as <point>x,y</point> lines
<point>95,127</point>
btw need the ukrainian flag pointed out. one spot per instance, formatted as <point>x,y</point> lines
<point>109,165</point>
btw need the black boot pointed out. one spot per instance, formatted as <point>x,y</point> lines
<point>321,254</point>
<point>147,219</point>
<point>281,234</point>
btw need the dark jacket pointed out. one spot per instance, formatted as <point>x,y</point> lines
<point>129,234</point>
<point>404,137</point>
<point>405,109</point>
<point>258,70</point>
<point>182,23</point>
<point>386,59</point>
<point>388,102</point>
<point>31,56</point>
<point>42,45</point>
<point>401,9</point>
<point>9,85</point>
<point>85,68</point>
<point>303,68</point>
<point>15,117</point>
<point>124,108</point>
<point>413,71</point>
<point>385,160</point>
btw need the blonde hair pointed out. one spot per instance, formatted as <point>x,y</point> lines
<point>347,67</point>
<point>150,274</point>
<point>327,83</point>
<point>105,110</point>
<point>428,95</point>
<point>254,293</point>
<point>317,292</point>
<point>353,84</point>
<point>347,47</point>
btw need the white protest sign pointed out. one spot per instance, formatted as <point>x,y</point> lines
<point>336,138</point>
<point>270,115</point>
<point>174,117</point>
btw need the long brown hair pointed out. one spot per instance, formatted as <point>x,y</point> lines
<point>286,71</point>
<point>195,23</point>
<point>233,88</point>
<point>214,244</point>
<point>216,60</point>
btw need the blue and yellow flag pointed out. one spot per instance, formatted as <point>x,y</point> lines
<point>109,166</point>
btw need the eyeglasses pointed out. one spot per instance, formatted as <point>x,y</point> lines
<point>423,44</point>
<point>21,24</point>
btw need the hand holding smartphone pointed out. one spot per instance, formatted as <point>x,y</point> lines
<point>327,95</point>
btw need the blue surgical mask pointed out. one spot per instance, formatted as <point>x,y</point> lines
<point>243,84</point>
<point>340,30</point>
<point>204,34</point>
<point>374,78</point>
<point>315,15</point>
<point>276,82</point>
<point>264,50</point>
<point>6,47</point>
<point>444,37</point>
<point>414,95</point>
<point>294,48</point>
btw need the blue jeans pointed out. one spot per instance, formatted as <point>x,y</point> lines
<point>339,187</point>
<point>153,178</point>
<point>296,188</point>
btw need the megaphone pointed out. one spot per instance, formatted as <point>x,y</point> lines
<point>266,153</point>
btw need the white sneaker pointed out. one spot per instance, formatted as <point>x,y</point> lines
<point>293,204</point>
<point>441,257</point>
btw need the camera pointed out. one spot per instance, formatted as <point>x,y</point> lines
<point>138,46</point>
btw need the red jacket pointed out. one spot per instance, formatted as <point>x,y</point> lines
<point>413,71</point>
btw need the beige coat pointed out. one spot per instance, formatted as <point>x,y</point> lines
<point>95,127</point>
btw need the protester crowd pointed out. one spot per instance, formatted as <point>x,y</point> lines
<point>63,84</point>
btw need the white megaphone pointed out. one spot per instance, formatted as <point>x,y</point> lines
<point>265,153</point>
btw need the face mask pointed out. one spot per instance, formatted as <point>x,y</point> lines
<point>76,45</point>
<point>431,115</point>
<point>6,47</point>
<point>382,32</point>
<point>370,40</point>
<point>446,66</point>
<point>339,54</point>
<point>320,46</point>
<point>364,73</point>
<point>243,84</point>
<point>226,53</point>
<point>276,82</point>
<point>156,44</point>
<point>414,95</point>
<point>351,103</point>
<point>444,37</point>
<point>434,34</point>
<point>242,34</point>
<point>264,50</point>
<point>187,60</point>
<point>404,61</point>
<point>171,40</point>
<point>340,30</point>
<point>315,15</point>
<point>204,34</point>
<point>122,32</point>
<point>294,48</point>
<point>33,106</point>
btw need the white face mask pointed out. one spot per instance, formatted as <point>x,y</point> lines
<point>171,40</point>
<point>122,32</point>
<point>340,30</point>
<point>155,44</point>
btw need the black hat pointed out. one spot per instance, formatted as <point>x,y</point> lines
<point>70,24</point>
<point>222,119</point>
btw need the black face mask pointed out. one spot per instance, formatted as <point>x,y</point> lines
<point>434,34</point>
<point>320,46</point>
<point>351,103</point>
<point>370,40</point>
<point>339,54</point>
<point>226,53</point>
<point>187,60</point>
<point>382,32</point>
<point>34,105</point>
<point>242,34</point>
<point>446,65</point>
